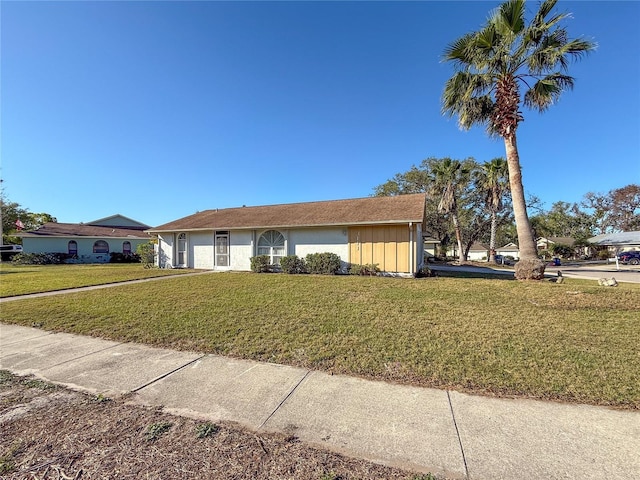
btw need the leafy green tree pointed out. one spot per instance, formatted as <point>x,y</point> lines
<point>13,214</point>
<point>492,65</point>
<point>563,220</point>
<point>615,211</point>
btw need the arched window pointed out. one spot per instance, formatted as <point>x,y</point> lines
<point>72,247</point>
<point>126,248</point>
<point>100,246</point>
<point>182,250</point>
<point>271,243</point>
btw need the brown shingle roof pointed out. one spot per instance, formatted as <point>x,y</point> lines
<point>357,211</point>
<point>54,229</point>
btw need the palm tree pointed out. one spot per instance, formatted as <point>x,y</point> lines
<point>447,177</point>
<point>492,65</point>
<point>493,179</point>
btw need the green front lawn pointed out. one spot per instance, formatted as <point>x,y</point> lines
<point>574,342</point>
<point>25,279</point>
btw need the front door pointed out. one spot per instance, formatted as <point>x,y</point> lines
<point>181,250</point>
<point>222,249</point>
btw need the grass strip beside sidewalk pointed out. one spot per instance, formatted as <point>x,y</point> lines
<point>26,279</point>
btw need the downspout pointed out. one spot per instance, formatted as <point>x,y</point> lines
<point>411,269</point>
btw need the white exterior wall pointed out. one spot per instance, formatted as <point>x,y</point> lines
<point>200,250</point>
<point>478,255</point>
<point>165,250</point>
<point>241,249</point>
<point>301,242</point>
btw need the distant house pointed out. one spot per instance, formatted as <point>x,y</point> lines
<point>91,242</point>
<point>509,250</point>
<point>617,242</point>
<point>382,230</point>
<point>431,245</point>
<point>477,252</point>
<point>547,243</point>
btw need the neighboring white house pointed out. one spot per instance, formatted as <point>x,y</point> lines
<point>510,250</point>
<point>477,252</point>
<point>617,242</point>
<point>383,230</point>
<point>91,242</point>
<point>547,243</point>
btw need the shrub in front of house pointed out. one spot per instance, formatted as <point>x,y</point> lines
<point>117,257</point>
<point>369,269</point>
<point>147,254</point>
<point>260,264</point>
<point>323,263</point>
<point>293,264</point>
<point>39,258</point>
<point>563,251</point>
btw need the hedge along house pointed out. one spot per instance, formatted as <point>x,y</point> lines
<point>92,242</point>
<point>382,230</point>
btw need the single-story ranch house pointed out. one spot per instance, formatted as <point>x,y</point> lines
<point>383,230</point>
<point>91,242</point>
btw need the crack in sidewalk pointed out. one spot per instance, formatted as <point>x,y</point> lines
<point>284,400</point>
<point>455,424</point>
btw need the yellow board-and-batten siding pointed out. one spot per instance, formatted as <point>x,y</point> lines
<point>385,245</point>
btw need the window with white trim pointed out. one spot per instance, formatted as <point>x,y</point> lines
<point>100,246</point>
<point>271,243</point>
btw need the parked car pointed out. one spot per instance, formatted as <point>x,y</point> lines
<point>8,251</point>
<point>632,257</point>
<point>505,260</point>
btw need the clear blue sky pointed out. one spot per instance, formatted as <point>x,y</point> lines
<point>156,110</point>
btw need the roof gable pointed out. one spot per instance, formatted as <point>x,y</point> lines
<point>118,220</point>
<point>358,211</point>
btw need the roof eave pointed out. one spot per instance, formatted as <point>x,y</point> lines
<point>262,227</point>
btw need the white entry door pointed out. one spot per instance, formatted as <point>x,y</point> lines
<point>181,250</point>
<point>222,249</point>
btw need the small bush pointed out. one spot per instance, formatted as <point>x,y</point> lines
<point>604,255</point>
<point>40,258</point>
<point>146,253</point>
<point>425,272</point>
<point>207,429</point>
<point>156,430</point>
<point>117,257</point>
<point>293,264</point>
<point>370,269</point>
<point>260,264</point>
<point>563,251</point>
<point>323,263</point>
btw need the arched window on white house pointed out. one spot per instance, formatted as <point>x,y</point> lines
<point>126,248</point>
<point>72,247</point>
<point>271,243</point>
<point>100,246</point>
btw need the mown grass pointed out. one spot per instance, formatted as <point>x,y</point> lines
<point>25,279</point>
<point>573,342</point>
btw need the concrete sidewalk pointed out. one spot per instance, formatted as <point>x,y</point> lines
<point>426,430</point>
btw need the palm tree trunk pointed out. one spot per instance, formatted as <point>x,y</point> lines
<point>492,240</point>
<point>456,227</point>
<point>531,267</point>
